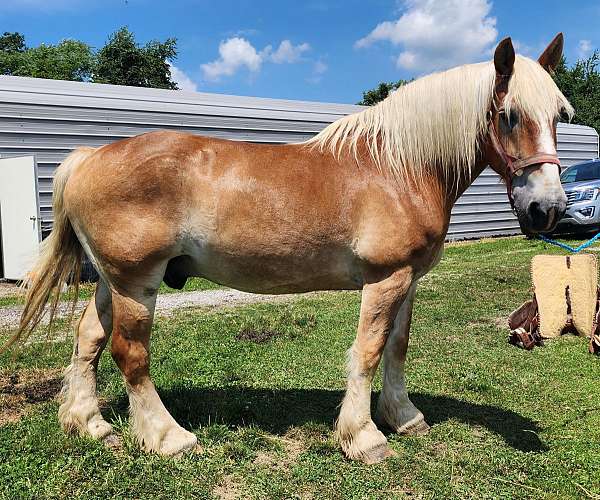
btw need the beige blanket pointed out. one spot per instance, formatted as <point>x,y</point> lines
<point>557,277</point>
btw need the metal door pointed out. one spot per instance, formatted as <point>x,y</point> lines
<point>20,233</point>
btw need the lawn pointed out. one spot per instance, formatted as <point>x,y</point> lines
<point>506,423</point>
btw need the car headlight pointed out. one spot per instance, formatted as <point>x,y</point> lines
<point>589,194</point>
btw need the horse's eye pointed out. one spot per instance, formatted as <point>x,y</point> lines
<point>564,116</point>
<point>510,120</point>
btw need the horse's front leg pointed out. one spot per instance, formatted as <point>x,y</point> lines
<point>394,409</point>
<point>358,435</point>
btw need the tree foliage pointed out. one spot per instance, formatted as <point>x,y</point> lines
<point>122,61</point>
<point>67,60</point>
<point>12,42</point>
<point>580,84</point>
<point>380,92</point>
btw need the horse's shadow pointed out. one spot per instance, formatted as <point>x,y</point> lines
<point>275,411</point>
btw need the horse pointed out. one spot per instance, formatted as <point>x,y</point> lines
<point>363,205</point>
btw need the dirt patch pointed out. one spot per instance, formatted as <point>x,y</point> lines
<point>258,336</point>
<point>500,322</point>
<point>294,443</point>
<point>439,449</point>
<point>19,392</point>
<point>292,449</point>
<point>229,488</point>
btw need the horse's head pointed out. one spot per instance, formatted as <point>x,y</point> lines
<point>522,134</point>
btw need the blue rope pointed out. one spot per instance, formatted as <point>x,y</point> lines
<point>569,248</point>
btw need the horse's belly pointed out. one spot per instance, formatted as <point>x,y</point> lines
<point>270,273</point>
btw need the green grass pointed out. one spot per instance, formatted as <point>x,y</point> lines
<point>506,423</point>
<point>191,285</point>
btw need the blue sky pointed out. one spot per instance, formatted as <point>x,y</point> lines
<point>315,49</point>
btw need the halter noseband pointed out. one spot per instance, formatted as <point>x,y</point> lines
<point>515,166</point>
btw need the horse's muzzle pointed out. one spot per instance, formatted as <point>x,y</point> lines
<point>543,216</point>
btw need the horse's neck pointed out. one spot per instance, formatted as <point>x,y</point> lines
<point>438,188</point>
<point>463,183</point>
<point>435,187</point>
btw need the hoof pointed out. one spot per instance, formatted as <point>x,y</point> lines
<point>112,441</point>
<point>99,428</point>
<point>415,428</point>
<point>159,433</point>
<point>176,442</point>
<point>378,454</point>
<point>368,445</point>
<point>83,420</point>
<point>407,420</point>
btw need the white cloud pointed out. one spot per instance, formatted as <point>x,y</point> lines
<point>234,53</point>
<point>437,34</point>
<point>288,53</point>
<point>237,52</point>
<point>319,68</point>
<point>584,48</point>
<point>522,48</point>
<point>183,81</point>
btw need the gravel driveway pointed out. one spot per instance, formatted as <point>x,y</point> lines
<point>165,303</point>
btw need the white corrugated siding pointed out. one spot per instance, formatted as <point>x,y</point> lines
<point>48,118</point>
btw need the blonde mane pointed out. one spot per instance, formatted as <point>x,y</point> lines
<point>438,121</point>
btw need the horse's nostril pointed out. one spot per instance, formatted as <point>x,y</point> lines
<point>544,216</point>
<point>539,218</point>
<point>534,210</point>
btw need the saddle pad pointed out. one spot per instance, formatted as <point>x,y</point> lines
<point>559,280</point>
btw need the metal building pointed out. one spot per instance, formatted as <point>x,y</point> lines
<point>46,119</point>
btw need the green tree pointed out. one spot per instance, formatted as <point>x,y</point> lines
<point>380,92</point>
<point>12,42</point>
<point>12,46</point>
<point>68,60</point>
<point>122,61</point>
<point>580,84</point>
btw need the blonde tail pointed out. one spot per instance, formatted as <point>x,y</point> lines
<point>59,261</point>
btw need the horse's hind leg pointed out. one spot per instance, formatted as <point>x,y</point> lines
<point>79,411</point>
<point>153,426</point>
<point>394,409</point>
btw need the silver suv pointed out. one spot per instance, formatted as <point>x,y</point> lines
<point>581,183</point>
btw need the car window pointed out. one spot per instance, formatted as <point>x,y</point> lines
<point>583,172</point>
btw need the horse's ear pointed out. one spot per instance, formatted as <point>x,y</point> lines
<point>504,57</point>
<point>550,58</point>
